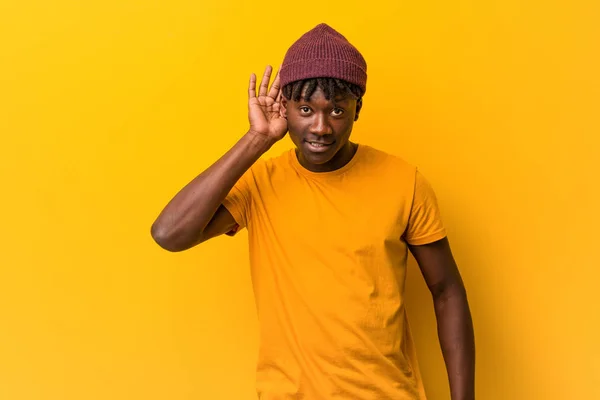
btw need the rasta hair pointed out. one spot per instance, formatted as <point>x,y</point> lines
<point>329,86</point>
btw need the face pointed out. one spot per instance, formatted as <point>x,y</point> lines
<point>321,128</point>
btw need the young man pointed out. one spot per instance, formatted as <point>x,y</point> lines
<point>329,224</point>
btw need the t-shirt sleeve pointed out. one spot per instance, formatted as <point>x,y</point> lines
<point>425,223</point>
<point>237,202</point>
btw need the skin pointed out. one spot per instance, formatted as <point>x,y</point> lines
<point>323,121</point>
<point>454,323</point>
<point>196,214</point>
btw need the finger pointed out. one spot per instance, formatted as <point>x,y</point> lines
<point>275,87</point>
<point>278,99</point>
<point>252,86</point>
<point>264,84</point>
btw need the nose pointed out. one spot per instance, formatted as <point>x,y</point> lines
<point>320,125</point>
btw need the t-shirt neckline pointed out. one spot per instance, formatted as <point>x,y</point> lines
<point>293,158</point>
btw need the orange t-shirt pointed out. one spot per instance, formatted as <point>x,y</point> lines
<point>328,256</point>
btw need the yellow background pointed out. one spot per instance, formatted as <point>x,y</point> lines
<point>107,108</point>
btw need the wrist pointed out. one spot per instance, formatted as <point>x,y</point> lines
<point>259,141</point>
<point>468,394</point>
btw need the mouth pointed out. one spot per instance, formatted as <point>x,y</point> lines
<point>318,147</point>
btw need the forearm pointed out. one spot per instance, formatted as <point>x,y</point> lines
<point>455,330</point>
<point>185,217</point>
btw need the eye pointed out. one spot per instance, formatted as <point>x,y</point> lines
<point>304,109</point>
<point>337,112</point>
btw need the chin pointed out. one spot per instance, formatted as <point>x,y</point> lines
<point>318,159</point>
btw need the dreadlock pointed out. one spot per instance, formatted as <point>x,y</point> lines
<point>329,86</point>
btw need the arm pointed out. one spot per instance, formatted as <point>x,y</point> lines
<point>195,214</point>
<point>455,327</point>
<point>183,222</point>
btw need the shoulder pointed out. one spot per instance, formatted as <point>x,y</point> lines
<point>388,163</point>
<point>274,163</point>
<point>268,167</point>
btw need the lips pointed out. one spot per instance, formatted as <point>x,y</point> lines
<point>317,146</point>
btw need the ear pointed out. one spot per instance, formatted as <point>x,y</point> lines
<point>359,104</point>
<point>283,103</point>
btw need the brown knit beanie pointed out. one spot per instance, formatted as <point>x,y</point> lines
<point>323,52</point>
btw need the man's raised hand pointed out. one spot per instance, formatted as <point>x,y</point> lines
<point>263,110</point>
